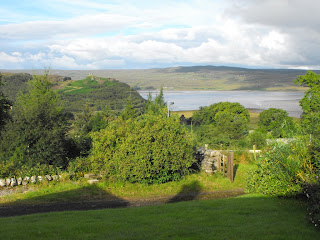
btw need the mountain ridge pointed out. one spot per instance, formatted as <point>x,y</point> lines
<point>202,77</point>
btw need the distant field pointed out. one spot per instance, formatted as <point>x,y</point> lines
<point>187,114</point>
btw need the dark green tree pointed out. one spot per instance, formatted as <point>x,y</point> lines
<point>86,122</point>
<point>5,105</point>
<point>310,118</point>
<point>156,105</point>
<point>276,121</point>
<point>310,103</point>
<point>37,133</point>
<point>221,123</point>
<point>129,111</point>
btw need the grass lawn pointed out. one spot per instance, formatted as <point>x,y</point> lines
<point>246,217</point>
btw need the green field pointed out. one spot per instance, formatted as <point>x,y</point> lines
<point>245,217</point>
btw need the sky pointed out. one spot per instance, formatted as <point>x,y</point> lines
<point>124,34</point>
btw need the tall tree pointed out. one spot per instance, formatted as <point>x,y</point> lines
<point>5,105</point>
<point>276,121</point>
<point>37,133</point>
<point>156,105</point>
<point>310,104</point>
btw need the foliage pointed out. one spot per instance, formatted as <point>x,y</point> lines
<point>276,121</point>
<point>221,123</point>
<point>152,148</point>
<point>258,138</point>
<point>79,166</point>
<point>310,103</point>
<point>310,118</point>
<point>15,83</point>
<point>37,133</point>
<point>283,170</point>
<point>156,105</point>
<point>129,111</point>
<point>86,122</point>
<point>215,112</point>
<point>4,108</point>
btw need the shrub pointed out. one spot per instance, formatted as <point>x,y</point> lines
<point>152,148</point>
<point>283,170</point>
<point>222,123</point>
<point>276,121</point>
<point>79,166</point>
<point>258,138</point>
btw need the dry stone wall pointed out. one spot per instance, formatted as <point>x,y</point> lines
<point>209,160</point>
<point>12,182</point>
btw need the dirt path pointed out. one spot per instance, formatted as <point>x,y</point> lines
<point>18,210</point>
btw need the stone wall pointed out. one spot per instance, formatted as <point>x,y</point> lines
<point>209,160</point>
<point>12,182</point>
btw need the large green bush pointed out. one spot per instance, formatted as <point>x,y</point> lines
<point>283,170</point>
<point>277,122</point>
<point>258,137</point>
<point>223,123</point>
<point>149,149</point>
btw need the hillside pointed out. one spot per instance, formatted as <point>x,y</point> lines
<point>196,78</point>
<point>98,92</point>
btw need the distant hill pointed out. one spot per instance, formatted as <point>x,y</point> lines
<point>97,92</point>
<point>196,78</point>
<point>14,83</point>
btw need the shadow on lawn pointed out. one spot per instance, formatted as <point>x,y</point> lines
<point>188,192</point>
<point>85,198</point>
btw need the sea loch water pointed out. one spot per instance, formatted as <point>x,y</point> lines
<point>260,100</point>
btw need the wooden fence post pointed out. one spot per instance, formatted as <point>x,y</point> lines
<point>223,165</point>
<point>230,166</point>
<point>219,162</point>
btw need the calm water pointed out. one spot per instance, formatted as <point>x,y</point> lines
<point>260,100</point>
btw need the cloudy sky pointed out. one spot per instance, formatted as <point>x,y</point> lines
<point>123,34</point>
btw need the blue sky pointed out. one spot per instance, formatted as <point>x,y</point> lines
<point>121,34</point>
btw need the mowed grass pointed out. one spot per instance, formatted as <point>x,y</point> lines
<point>246,217</point>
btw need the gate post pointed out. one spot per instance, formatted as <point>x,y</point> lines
<point>230,166</point>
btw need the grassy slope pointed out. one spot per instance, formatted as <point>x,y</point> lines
<point>98,92</point>
<point>245,217</point>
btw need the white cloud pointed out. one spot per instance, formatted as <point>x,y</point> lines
<point>86,25</point>
<point>113,35</point>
